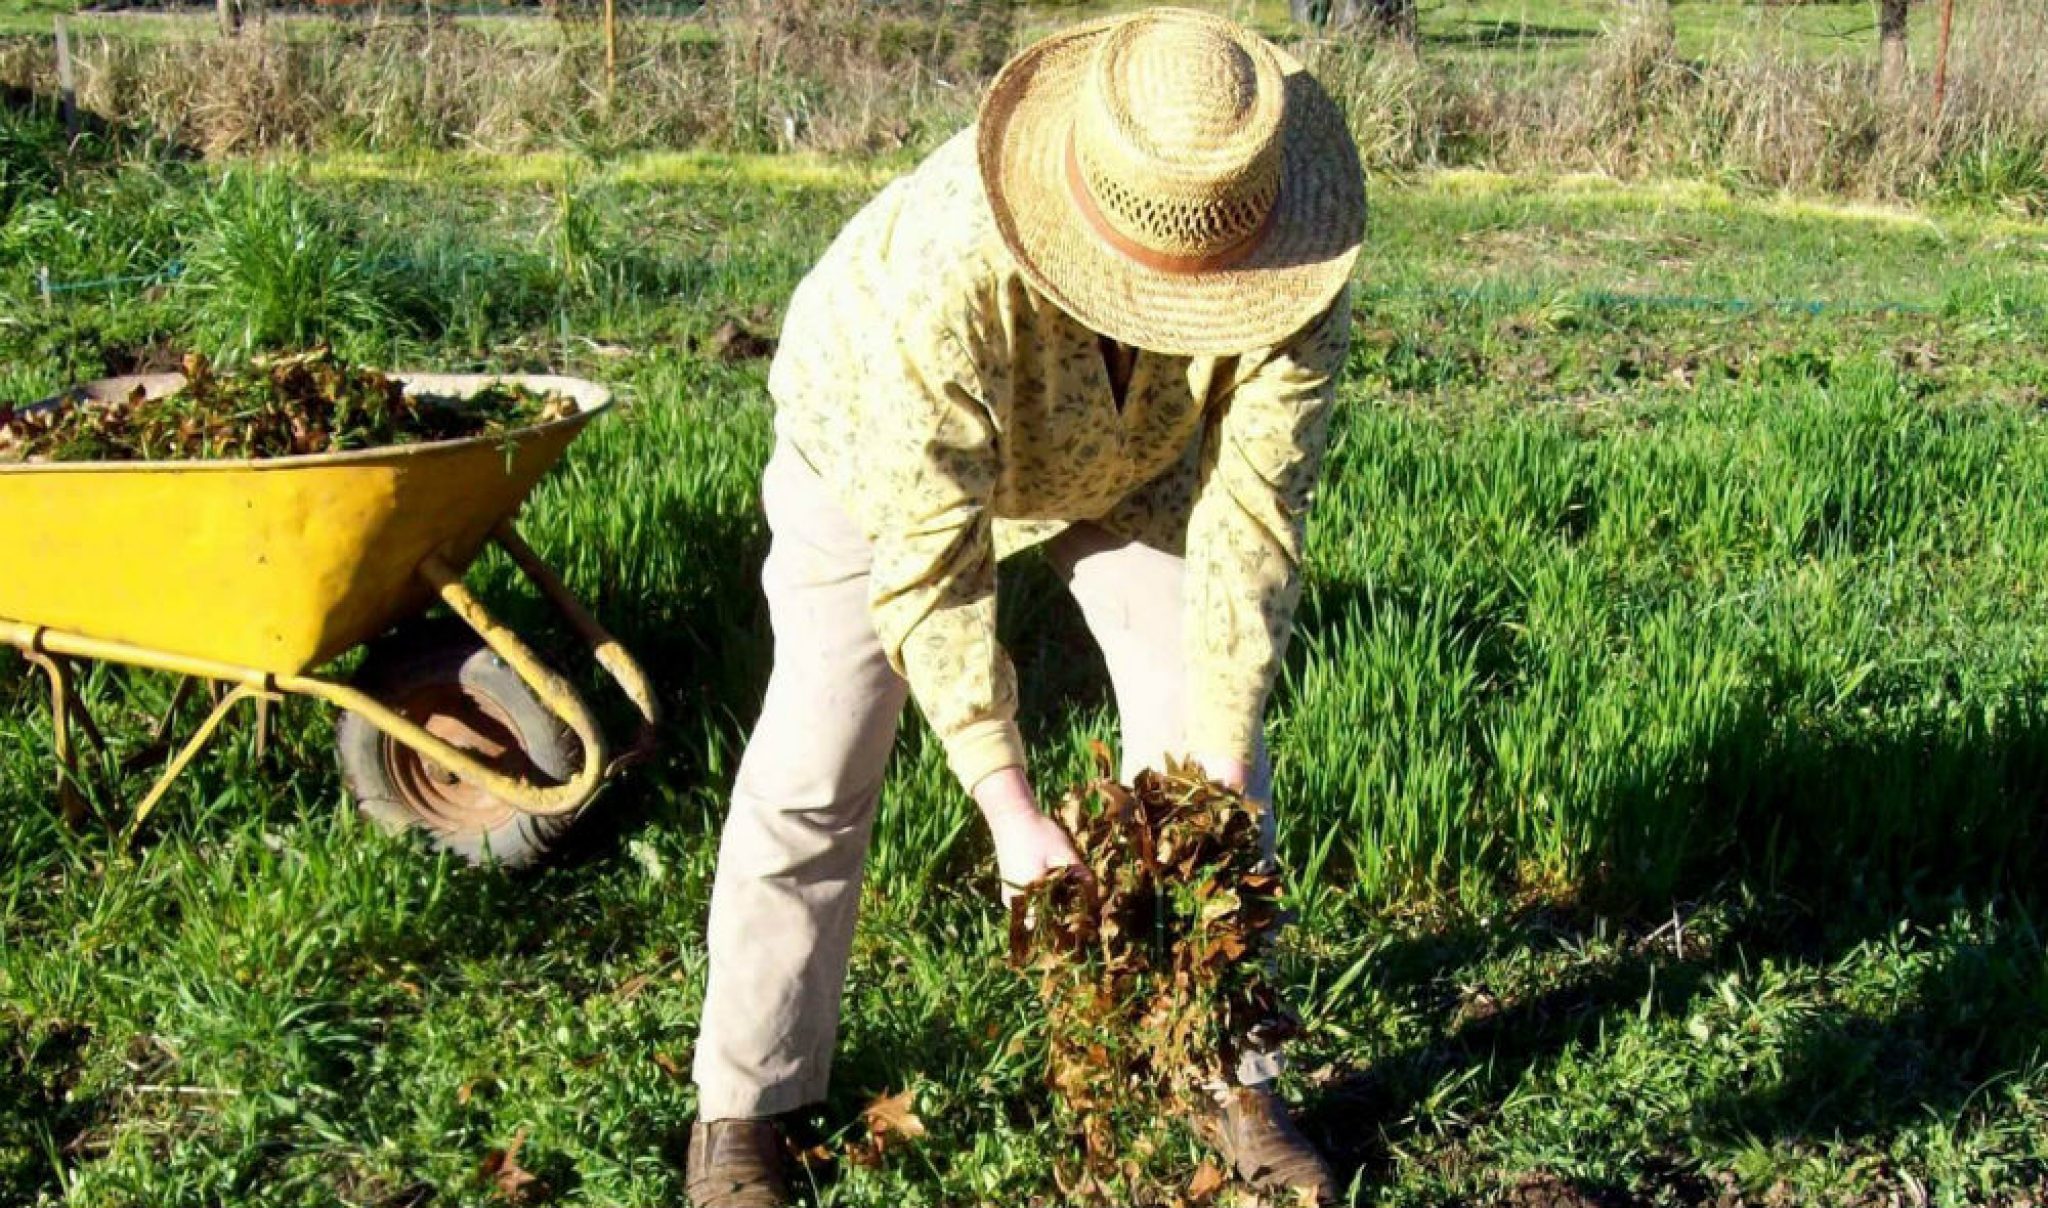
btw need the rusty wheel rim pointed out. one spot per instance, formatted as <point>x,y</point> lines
<point>470,722</point>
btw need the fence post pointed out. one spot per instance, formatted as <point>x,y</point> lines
<point>1948,17</point>
<point>67,88</point>
<point>611,48</point>
<point>43,283</point>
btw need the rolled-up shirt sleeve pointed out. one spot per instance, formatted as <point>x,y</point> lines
<point>928,503</point>
<point>1261,457</point>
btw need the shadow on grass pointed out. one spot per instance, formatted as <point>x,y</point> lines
<point>38,1117</point>
<point>33,119</point>
<point>1846,1074</point>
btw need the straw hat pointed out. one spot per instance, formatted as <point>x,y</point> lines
<point>1173,182</point>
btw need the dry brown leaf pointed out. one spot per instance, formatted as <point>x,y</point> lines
<point>894,1116</point>
<point>671,1067</point>
<point>510,1181</point>
<point>732,342</point>
<point>891,1121</point>
<point>1207,1182</point>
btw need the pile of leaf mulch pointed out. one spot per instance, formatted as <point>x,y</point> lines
<point>1153,974</point>
<point>309,403</point>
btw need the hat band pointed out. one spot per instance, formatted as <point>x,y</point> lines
<point>1153,258</point>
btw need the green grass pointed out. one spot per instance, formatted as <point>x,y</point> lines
<point>1705,28</point>
<point>1661,757</point>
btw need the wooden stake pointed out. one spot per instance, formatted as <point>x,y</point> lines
<point>611,47</point>
<point>1948,18</point>
<point>67,88</point>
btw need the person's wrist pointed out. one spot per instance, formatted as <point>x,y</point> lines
<point>1005,796</point>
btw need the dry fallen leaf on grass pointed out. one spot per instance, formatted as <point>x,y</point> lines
<point>732,342</point>
<point>891,1120</point>
<point>510,1181</point>
<point>1207,1182</point>
<point>894,1116</point>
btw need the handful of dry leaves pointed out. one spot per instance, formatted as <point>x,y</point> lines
<point>310,403</point>
<point>1153,974</point>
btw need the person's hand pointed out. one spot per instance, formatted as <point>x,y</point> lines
<point>1029,845</point>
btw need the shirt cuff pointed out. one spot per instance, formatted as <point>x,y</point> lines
<point>980,749</point>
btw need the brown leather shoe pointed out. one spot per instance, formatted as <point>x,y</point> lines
<point>737,1164</point>
<point>1255,1134</point>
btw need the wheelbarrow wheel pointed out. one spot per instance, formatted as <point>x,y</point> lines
<point>442,676</point>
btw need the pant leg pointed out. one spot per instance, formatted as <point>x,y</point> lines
<point>1130,594</point>
<point>803,805</point>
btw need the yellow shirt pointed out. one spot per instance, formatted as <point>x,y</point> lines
<point>960,415</point>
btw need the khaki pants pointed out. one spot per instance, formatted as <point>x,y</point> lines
<point>789,866</point>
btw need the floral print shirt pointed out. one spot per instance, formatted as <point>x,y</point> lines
<point>959,415</point>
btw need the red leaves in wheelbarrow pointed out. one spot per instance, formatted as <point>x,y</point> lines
<point>310,403</point>
<point>1153,974</point>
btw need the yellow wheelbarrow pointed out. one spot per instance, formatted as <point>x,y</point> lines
<point>252,574</point>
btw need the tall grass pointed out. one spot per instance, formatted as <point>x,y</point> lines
<point>828,76</point>
<point>1621,655</point>
<point>1636,108</point>
<point>273,268</point>
<point>837,76</point>
<point>32,148</point>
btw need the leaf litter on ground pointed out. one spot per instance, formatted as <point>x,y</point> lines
<point>1153,972</point>
<point>285,407</point>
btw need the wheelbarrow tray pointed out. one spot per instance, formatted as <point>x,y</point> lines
<point>276,565</point>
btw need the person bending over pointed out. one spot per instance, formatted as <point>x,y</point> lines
<point>1108,319</point>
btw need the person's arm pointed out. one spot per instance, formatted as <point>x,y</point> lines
<point>1260,461</point>
<point>931,469</point>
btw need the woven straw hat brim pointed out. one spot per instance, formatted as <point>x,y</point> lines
<point>1305,256</point>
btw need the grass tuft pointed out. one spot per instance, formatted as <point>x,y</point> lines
<point>272,267</point>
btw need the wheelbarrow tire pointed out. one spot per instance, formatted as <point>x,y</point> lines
<point>441,675</point>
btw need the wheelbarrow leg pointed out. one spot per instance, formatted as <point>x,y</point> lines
<point>191,749</point>
<point>160,733</point>
<point>71,804</point>
<point>82,717</point>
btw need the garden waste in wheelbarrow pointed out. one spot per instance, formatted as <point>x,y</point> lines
<point>252,574</point>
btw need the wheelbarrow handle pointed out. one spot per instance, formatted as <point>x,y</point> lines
<point>554,691</point>
<point>613,656</point>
